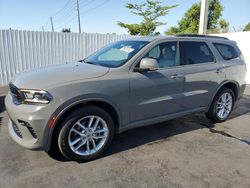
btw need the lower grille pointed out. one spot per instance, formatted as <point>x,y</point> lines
<point>17,131</point>
<point>32,132</point>
<point>28,126</point>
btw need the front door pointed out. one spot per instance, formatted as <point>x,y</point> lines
<point>160,92</point>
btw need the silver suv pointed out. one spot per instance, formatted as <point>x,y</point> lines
<point>79,107</point>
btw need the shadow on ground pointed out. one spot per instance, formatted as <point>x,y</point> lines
<point>2,108</point>
<point>242,107</point>
<point>163,131</point>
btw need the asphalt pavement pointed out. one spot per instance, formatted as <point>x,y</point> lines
<point>184,152</point>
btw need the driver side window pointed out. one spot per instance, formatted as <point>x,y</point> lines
<point>167,54</point>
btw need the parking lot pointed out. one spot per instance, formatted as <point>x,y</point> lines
<point>184,152</point>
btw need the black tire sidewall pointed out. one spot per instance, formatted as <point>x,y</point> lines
<point>213,110</point>
<point>71,120</point>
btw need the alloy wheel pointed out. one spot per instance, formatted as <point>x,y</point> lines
<point>224,105</point>
<point>88,135</point>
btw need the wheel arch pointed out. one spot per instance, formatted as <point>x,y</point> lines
<point>233,85</point>
<point>70,106</point>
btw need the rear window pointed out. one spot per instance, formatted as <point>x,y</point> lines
<point>195,53</point>
<point>228,52</point>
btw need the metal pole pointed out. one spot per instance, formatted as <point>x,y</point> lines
<point>51,21</point>
<point>203,17</point>
<point>78,12</point>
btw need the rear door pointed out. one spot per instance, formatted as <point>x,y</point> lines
<point>202,73</point>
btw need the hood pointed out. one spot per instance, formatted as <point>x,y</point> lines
<point>50,76</point>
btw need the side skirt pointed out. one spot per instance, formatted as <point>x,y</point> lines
<point>150,121</point>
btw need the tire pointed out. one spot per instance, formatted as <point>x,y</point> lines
<point>214,113</point>
<point>93,141</point>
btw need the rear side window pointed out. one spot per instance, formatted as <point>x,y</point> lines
<point>226,51</point>
<point>195,53</point>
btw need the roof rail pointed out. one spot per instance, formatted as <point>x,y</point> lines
<point>203,36</point>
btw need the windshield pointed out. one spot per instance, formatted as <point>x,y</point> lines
<point>116,54</point>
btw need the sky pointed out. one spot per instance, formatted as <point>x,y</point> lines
<point>101,16</point>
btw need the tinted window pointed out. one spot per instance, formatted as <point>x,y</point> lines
<point>226,51</point>
<point>195,53</point>
<point>167,54</point>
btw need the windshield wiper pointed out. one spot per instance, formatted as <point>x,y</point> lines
<point>88,62</point>
<point>82,60</point>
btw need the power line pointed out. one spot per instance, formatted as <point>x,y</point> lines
<point>65,12</point>
<point>96,7</point>
<point>64,7</point>
<point>67,21</point>
<point>86,3</point>
<point>70,12</point>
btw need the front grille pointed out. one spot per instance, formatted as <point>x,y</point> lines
<point>17,131</point>
<point>17,96</point>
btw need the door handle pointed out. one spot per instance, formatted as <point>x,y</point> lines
<point>218,71</point>
<point>176,76</point>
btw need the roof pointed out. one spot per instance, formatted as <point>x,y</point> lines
<point>152,38</point>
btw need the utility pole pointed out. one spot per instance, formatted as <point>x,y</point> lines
<point>203,17</point>
<point>78,13</point>
<point>43,28</point>
<point>51,21</point>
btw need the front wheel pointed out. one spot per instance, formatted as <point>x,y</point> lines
<point>86,134</point>
<point>222,105</point>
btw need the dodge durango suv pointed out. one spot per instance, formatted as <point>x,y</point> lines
<point>80,106</point>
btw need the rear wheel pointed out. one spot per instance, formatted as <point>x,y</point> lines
<point>85,134</point>
<point>222,105</point>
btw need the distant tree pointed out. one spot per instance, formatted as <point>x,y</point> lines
<point>224,25</point>
<point>190,22</point>
<point>247,27</point>
<point>150,11</point>
<point>66,30</point>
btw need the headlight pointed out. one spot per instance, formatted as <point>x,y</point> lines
<point>35,96</point>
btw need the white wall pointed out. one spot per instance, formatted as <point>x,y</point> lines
<point>243,42</point>
<point>26,50</point>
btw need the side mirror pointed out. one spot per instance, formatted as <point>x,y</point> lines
<point>147,64</point>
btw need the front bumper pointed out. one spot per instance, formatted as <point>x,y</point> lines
<point>28,123</point>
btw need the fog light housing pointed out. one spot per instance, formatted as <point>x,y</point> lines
<point>28,126</point>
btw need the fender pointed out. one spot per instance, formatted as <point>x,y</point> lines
<point>55,117</point>
<point>220,86</point>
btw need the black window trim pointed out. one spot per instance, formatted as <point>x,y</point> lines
<point>198,64</point>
